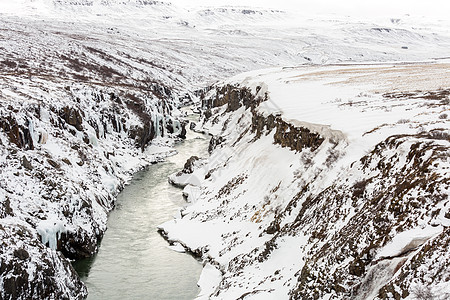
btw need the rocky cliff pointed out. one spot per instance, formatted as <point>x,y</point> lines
<point>63,163</point>
<point>356,208</point>
<point>73,130</point>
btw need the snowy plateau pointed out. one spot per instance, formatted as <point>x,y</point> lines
<point>328,175</point>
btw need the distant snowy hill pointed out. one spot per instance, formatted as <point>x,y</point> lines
<point>90,91</point>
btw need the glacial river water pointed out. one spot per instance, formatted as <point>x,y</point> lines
<point>134,261</point>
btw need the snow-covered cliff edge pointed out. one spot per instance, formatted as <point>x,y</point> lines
<point>323,182</point>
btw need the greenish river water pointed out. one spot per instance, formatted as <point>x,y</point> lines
<point>134,261</point>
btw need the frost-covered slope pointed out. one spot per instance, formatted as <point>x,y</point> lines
<point>66,151</point>
<point>323,182</point>
<point>89,92</point>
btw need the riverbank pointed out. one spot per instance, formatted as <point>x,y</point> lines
<point>133,259</point>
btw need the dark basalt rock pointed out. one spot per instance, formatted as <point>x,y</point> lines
<point>189,165</point>
<point>207,114</point>
<point>356,268</point>
<point>142,135</point>
<point>234,96</point>
<point>78,245</point>
<point>286,135</point>
<point>17,134</point>
<point>296,138</point>
<point>183,132</point>
<point>214,142</point>
<point>21,254</point>
<point>26,275</point>
<point>5,208</point>
<point>274,227</point>
<point>54,164</point>
<point>26,163</point>
<point>148,134</point>
<point>170,126</point>
<point>72,116</point>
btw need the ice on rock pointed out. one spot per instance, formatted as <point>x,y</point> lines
<point>408,240</point>
<point>111,183</point>
<point>38,135</point>
<point>210,275</point>
<point>93,140</point>
<point>34,135</point>
<point>44,115</point>
<point>192,193</point>
<point>157,118</point>
<point>50,231</point>
<point>42,136</point>
<point>176,126</point>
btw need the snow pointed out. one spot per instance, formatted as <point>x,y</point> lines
<point>253,182</point>
<point>191,192</point>
<point>210,277</point>
<point>193,179</point>
<point>189,45</point>
<point>408,240</point>
<point>310,97</point>
<point>50,231</point>
<point>177,247</point>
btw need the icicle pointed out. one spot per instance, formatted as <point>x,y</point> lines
<point>50,232</point>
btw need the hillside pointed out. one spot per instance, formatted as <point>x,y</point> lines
<point>324,182</point>
<point>91,90</point>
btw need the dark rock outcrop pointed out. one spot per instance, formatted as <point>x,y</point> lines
<point>72,116</point>
<point>189,165</point>
<point>26,163</point>
<point>33,271</point>
<point>78,245</point>
<point>286,134</point>
<point>17,134</point>
<point>183,131</point>
<point>214,142</point>
<point>234,96</point>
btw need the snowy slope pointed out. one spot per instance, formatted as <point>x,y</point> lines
<point>88,88</point>
<point>67,149</point>
<point>323,182</point>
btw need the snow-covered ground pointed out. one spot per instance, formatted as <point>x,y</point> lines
<point>88,88</point>
<point>335,186</point>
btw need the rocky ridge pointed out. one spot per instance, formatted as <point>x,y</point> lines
<point>287,211</point>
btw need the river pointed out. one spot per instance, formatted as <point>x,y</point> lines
<point>134,261</point>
